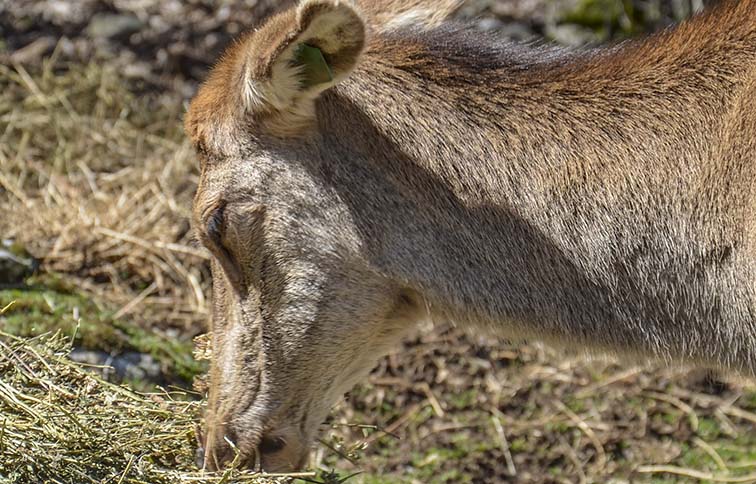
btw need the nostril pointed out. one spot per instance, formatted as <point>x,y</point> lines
<point>270,445</point>
<point>218,448</point>
<point>199,457</point>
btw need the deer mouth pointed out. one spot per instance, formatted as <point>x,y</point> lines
<point>251,442</point>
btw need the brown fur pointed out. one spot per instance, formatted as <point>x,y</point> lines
<point>604,199</point>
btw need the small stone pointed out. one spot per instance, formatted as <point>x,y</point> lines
<point>15,264</point>
<point>126,366</point>
<point>137,70</point>
<point>108,25</point>
<point>517,31</point>
<point>489,24</point>
<point>571,35</point>
<point>35,51</point>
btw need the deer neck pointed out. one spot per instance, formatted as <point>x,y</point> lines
<point>522,186</point>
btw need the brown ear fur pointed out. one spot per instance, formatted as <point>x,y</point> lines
<point>271,76</point>
<point>258,75</point>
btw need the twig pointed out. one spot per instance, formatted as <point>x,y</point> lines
<point>692,473</point>
<point>676,402</point>
<point>600,452</point>
<point>623,375</point>
<point>7,307</point>
<point>135,302</point>
<point>496,419</point>
<point>437,409</point>
<point>712,453</point>
<point>152,244</point>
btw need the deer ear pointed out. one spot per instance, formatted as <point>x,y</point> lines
<point>300,53</point>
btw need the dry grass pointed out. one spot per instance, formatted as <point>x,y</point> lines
<point>97,183</point>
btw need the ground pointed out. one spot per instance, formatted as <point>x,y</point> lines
<point>96,180</point>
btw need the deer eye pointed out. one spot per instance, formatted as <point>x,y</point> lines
<point>215,225</point>
<point>213,238</point>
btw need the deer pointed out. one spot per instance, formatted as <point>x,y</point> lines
<point>368,166</point>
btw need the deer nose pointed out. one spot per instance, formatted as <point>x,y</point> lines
<point>199,456</point>
<point>221,448</point>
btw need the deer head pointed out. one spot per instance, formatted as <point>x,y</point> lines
<point>298,316</point>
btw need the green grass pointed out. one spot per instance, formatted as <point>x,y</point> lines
<point>49,305</point>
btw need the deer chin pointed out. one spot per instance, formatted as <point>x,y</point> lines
<point>249,441</point>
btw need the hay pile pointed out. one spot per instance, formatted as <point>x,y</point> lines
<point>61,423</point>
